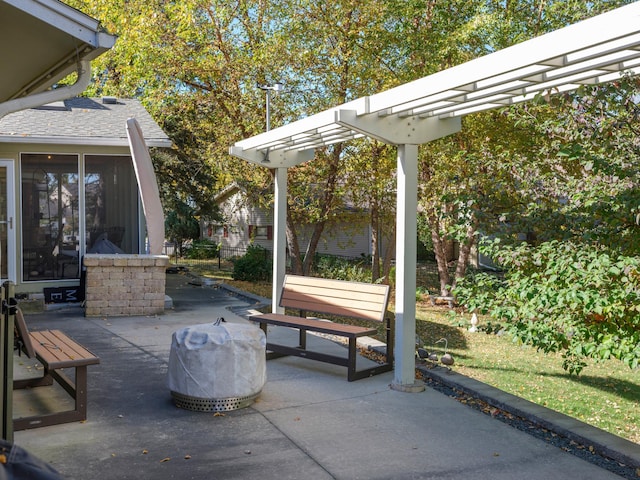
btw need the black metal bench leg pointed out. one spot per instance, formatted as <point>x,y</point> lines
<point>351,368</point>
<point>81,392</point>
<point>303,339</point>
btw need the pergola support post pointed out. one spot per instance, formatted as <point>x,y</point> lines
<point>406,248</point>
<point>279,236</point>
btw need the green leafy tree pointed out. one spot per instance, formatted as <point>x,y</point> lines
<point>564,297</point>
<point>194,65</point>
<point>339,55</point>
<point>181,225</point>
<point>468,180</point>
<point>574,286</point>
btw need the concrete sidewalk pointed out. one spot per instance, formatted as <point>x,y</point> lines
<point>308,422</point>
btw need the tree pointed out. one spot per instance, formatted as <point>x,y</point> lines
<point>376,192</point>
<point>340,56</point>
<point>180,225</point>
<point>194,65</point>
<point>459,174</point>
<point>576,288</point>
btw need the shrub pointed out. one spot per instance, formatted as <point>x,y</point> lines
<point>339,268</point>
<point>203,249</point>
<point>252,266</point>
<point>577,299</point>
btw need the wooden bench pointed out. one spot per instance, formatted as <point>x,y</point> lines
<point>55,351</point>
<point>339,298</point>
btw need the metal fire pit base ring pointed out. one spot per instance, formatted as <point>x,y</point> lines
<point>197,404</point>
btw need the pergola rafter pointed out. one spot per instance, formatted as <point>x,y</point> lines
<point>594,51</point>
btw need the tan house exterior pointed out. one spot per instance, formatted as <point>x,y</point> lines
<point>244,223</point>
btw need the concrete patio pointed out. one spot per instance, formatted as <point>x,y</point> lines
<point>308,422</point>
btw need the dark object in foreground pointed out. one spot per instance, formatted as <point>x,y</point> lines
<point>18,464</point>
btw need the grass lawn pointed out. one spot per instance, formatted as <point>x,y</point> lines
<point>605,395</point>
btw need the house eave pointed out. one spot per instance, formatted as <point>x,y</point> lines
<point>48,39</point>
<point>88,141</point>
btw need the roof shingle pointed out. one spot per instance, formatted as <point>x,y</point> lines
<point>81,121</point>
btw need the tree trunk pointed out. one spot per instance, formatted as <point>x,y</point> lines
<point>294,247</point>
<point>309,255</point>
<point>465,251</point>
<point>388,255</point>
<point>328,201</point>
<point>375,247</point>
<point>440,251</point>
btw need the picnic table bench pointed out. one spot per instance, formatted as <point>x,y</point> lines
<point>55,351</point>
<point>337,298</point>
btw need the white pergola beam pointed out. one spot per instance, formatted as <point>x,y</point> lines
<point>396,131</point>
<point>272,159</point>
<point>612,31</point>
<point>579,54</point>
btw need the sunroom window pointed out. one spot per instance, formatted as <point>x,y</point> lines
<point>65,216</point>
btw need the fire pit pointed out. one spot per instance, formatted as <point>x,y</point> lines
<point>218,366</point>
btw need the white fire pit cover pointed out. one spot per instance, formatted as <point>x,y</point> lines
<point>218,360</point>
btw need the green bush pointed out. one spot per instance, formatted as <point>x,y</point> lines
<point>252,266</point>
<point>202,250</point>
<point>339,268</point>
<point>578,299</point>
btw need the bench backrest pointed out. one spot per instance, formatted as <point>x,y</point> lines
<point>335,297</point>
<point>22,335</point>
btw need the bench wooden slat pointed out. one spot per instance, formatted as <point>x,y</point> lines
<point>314,325</point>
<point>338,296</point>
<point>310,306</point>
<point>335,285</point>
<point>60,351</point>
<point>351,299</point>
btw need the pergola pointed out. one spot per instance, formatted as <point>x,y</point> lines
<point>593,51</point>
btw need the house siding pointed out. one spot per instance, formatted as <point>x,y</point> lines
<point>349,238</point>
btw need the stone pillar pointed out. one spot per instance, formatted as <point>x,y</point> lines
<point>124,285</point>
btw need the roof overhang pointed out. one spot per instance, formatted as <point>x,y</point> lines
<point>48,41</point>
<point>83,141</point>
<point>593,51</point>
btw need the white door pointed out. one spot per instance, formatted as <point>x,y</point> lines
<point>7,221</point>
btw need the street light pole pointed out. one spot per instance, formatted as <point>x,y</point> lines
<point>276,87</point>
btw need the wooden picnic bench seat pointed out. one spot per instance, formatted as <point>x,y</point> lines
<point>336,298</point>
<point>55,351</point>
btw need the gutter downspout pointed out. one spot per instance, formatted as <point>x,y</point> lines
<point>50,96</point>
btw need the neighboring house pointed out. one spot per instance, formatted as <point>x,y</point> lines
<point>244,223</point>
<point>67,183</point>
